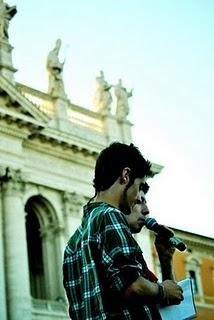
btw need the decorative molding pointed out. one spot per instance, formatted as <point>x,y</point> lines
<point>19,118</point>
<point>12,131</point>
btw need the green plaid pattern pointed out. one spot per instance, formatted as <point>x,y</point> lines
<point>101,260</point>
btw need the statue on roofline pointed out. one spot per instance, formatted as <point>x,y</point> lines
<point>102,99</point>
<point>6,14</point>
<point>55,69</point>
<point>122,95</point>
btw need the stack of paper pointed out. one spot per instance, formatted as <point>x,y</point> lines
<point>186,309</point>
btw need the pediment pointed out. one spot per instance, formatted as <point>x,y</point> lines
<point>15,105</point>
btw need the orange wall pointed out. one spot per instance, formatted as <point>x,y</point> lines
<point>207,275</point>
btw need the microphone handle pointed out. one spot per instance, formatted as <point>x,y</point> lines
<point>177,243</point>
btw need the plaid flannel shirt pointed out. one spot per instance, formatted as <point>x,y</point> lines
<point>101,260</point>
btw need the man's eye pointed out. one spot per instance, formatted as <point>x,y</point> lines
<point>138,201</point>
<point>143,201</point>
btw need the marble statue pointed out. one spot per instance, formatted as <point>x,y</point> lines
<point>102,99</point>
<point>122,96</point>
<point>6,14</point>
<point>55,69</point>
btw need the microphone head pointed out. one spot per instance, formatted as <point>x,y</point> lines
<point>160,229</point>
<point>165,233</point>
<point>177,243</point>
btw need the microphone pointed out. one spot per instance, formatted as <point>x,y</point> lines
<point>165,233</point>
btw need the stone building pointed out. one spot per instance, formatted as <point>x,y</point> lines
<point>48,148</point>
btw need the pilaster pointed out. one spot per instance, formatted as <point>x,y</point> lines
<point>61,114</point>
<point>73,204</point>
<point>16,259</point>
<point>125,131</point>
<point>111,127</point>
<point>3,310</point>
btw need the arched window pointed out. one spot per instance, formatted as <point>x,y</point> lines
<point>44,251</point>
<point>35,256</point>
<point>193,270</point>
<point>193,277</point>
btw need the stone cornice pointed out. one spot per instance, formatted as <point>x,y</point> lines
<point>195,240</point>
<point>156,168</point>
<point>12,91</point>
<point>63,151</point>
<point>19,118</point>
<point>200,243</point>
<point>67,141</point>
<point>12,131</point>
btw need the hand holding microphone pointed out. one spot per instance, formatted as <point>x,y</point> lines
<point>165,233</point>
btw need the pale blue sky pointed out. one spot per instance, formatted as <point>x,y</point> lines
<point>164,50</point>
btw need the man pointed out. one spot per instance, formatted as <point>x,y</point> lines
<point>105,275</point>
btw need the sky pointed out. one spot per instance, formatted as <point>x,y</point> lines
<point>164,50</point>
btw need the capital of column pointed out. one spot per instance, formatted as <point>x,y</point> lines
<point>12,181</point>
<point>49,232</point>
<point>73,203</point>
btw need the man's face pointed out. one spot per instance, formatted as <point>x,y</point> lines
<point>138,214</point>
<point>130,196</point>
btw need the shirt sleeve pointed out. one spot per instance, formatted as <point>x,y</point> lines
<point>119,252</point>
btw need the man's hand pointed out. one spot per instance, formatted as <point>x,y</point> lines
<point>164,249</point>
<point>165,253</point>
<point>173,293</point>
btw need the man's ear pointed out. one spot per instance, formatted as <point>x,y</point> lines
<point>125,176</point>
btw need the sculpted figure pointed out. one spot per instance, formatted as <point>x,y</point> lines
<point>6,14</point>
<point>122,95</point>
<point>55,68</point>
<point>102,99</point>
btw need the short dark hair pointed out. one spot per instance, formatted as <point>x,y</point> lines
<point>113,159</point>
<point>145,187</point>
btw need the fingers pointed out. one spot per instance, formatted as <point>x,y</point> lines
<point>174,293</point>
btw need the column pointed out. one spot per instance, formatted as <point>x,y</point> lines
<point>17,273</point>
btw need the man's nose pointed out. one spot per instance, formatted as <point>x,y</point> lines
<point>145,210</point>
